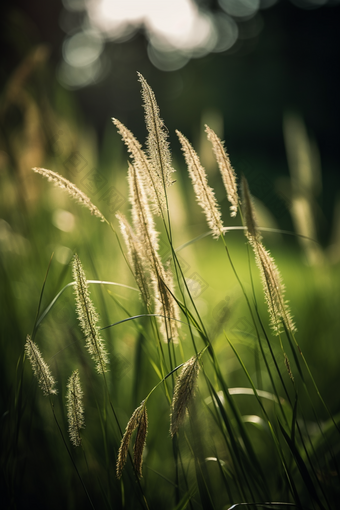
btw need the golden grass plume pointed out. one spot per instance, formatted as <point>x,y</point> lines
<point>153,184</point>
<point>204,194</point>
<point>227,171</point>
<point>162,280</point>
<point>157,144</point>
<point>72,190</point>
<point>274,289</point>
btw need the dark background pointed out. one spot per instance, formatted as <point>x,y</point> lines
<point>292,65</point>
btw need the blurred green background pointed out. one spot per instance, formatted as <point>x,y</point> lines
<point>270,89</point>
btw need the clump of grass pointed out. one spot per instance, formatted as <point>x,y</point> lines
<point>242,477</point>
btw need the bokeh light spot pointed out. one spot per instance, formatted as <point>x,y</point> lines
<point>83,48</point>
<point>240,8</point>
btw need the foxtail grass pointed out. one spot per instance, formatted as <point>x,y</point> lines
<point>183,393</point>
<point>40,368</point>
<point>139,421</point>
<point>74,192</point>
<point>88,318</point>
<point>75,408</point>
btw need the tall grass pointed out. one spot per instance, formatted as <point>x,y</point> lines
<point>156,372</point>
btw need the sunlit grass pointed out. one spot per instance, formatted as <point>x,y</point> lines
<point>255,431</point>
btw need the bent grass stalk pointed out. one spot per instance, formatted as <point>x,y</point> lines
<point>182,397</point>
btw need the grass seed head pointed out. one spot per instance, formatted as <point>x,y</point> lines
<point>227,171</point>
<point>204,194</point>
<point>133,423</point>
<point>139,445</point>
<point>88,318</point>
<point>40,368</point>
<point>274,289</point>
<point>183,393</point>
<point>162,280</point>
<point>151,180</point>
<point>75,408</point>
<point>71,189</point>
<point>157,143</point>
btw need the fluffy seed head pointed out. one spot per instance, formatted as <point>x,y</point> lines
<point>162,280</point>
<point>273,289</point>
<point>157,144</point>
<point>151,180</point>
<point>88,318</point>
<point>142,218</point>
<point>71,189</point>
<point>227,171</point>
<point>183,393</point>
<point>204,194</point>
<point>75,408</point>
<point>40,368</point>
<point>138,419</point>
<point>139,445</point>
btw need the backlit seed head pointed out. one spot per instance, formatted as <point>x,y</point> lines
<point>40,368</point>
<point>88,318</point>
<point>183,393</point>
<point>139,419</point>
<point>75,408</point>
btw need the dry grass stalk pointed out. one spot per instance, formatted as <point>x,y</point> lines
<point>183,393</point>
<point>138,419</point>
<point>152,182</point>
<point>227,171</point>
<point>71,189</point>
<point>40,368</point>
<point>157,144</point>
<point>248,210</point>
<point>204,194</point>
<point>88,318</point>
<point>75,408</point>
<point>289,370</point>
<point>161,279</point>
<point>135,259</point>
